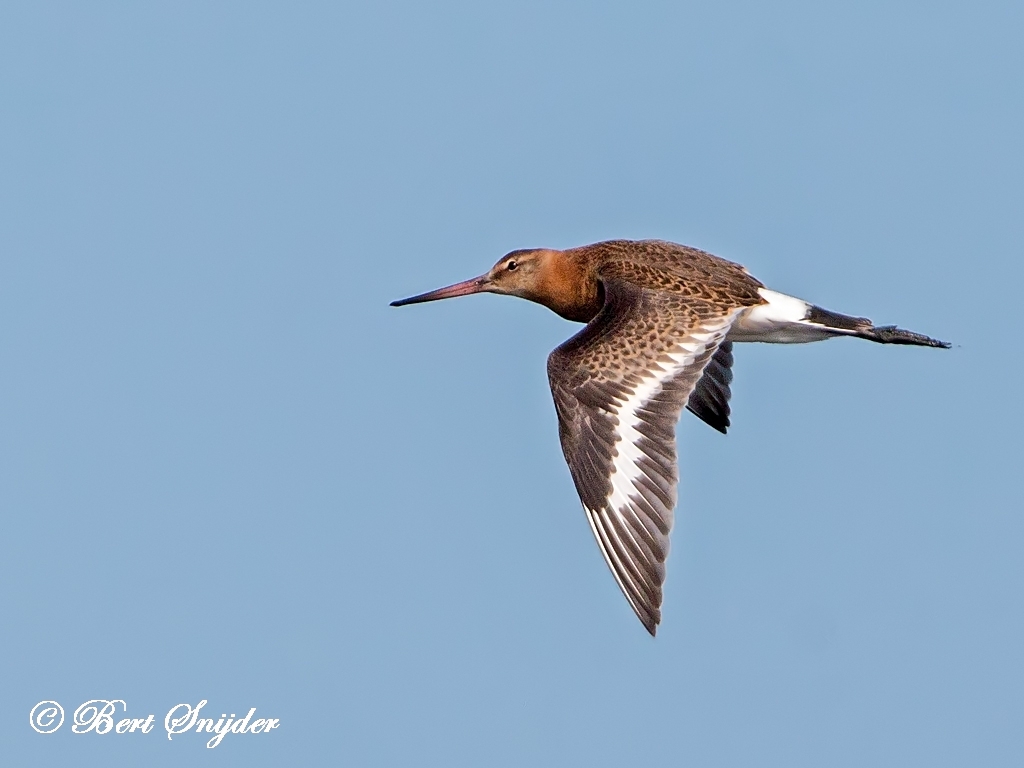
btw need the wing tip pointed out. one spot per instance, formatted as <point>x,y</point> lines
<point>650,617</point>
<point>717,420</point>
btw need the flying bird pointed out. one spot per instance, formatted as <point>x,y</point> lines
<point>661,322</point>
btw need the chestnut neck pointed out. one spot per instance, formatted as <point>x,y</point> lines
<point>567,284</point>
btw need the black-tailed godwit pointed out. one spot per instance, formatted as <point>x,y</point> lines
<point>661,322</point>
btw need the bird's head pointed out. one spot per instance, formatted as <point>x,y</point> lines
<point>519,273</point>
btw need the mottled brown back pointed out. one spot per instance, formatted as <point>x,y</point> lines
<point>673,268</point>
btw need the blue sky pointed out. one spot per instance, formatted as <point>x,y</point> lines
<point>229,471</point>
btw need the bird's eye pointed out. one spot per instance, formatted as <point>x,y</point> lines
<point>511,266</point>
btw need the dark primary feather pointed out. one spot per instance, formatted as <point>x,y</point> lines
<point>710,399</point>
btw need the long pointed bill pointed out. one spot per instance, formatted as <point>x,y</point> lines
<point>476,285</point>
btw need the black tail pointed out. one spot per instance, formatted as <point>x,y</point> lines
<point>862,328</point>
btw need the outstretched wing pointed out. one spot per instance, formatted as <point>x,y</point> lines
<point>619,386</point>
